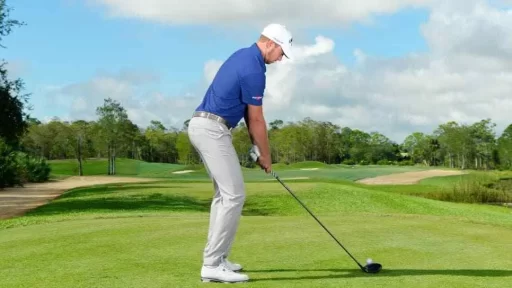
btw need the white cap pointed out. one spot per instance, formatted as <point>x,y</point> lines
<point>279,34</point>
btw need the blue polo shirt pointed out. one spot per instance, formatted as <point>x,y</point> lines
<point>240,81</point>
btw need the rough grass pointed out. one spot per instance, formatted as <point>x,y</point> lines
<point>153,234</point>
<point>489,187</point>
<point>478,189</point>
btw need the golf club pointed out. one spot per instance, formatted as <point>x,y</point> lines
<point>368,268</point>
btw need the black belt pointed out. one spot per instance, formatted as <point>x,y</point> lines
<point>212,117</point>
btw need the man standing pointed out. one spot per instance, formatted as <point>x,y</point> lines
<point>236,92</point>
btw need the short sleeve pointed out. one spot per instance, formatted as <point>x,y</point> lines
<point>253,86</point>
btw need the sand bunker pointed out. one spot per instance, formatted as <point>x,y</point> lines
<point>183,172</point>
<point>309,168</point>
<point>17,200</point>
<point>408,177</point>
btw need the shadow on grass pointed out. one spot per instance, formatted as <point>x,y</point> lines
<point>106,198</point>
<point>351,273</point>
<point>113,188</point>
<point>140,202</point>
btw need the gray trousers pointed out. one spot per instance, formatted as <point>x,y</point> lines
<point>213,142</point>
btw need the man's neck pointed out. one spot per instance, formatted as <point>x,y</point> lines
<point>260,46</point>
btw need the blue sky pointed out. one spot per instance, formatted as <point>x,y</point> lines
<point>66,42</point>
<point>414,77</point>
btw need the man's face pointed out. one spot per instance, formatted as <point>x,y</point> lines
<point>274,53</point>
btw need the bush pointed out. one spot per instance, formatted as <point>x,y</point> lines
<point>17,167</point>
<point>406,163</point>
<point>32,169</point>
<point>385,162</point>
<point>9,175</point>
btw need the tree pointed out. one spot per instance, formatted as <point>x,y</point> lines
<point>112,123</point>
<point>505,148</point>
<point>80,134</point>
<point>162,145</point>
<point>276,124</point>
<point>422,148</point>
<point>359,145</point>
<point>186,152</point>
<point>242,144</point>
<point>456,140</point>
<point>484,140</point>
<point>380,149</point>
<point>12,101</point>
<point>6,24</point>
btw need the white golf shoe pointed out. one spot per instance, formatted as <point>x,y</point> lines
<point>232,266</point>
<point>222,274</point>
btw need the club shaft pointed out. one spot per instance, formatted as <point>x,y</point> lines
<point>311,213</point>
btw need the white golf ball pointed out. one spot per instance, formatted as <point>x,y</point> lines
<point>368,261</point>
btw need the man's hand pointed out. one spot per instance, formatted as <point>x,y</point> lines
<point>265,163</point>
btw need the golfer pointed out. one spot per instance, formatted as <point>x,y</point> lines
<point>236,92</point>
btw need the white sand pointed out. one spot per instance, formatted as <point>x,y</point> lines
<point>183,172</point>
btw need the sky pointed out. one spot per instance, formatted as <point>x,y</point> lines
<point>390,66</point>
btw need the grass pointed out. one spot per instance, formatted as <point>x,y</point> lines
<point>124,167</point>
<point>303,164</point>
<point>277,252</point>
<point>136,168</point>
<point>491,187</point>
<point>153,234</point>
<point>480,187</point>
<point>334,173</point>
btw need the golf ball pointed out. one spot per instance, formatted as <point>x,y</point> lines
<point>368,261</point>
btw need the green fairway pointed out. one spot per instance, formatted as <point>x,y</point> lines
<point>152,235</point>
<point>312,170</point>
<point>124,167</point>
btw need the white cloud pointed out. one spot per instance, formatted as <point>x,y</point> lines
<point>210,69</point>
<point>477,30</point>
<point>465,76</point>
<point>127,87</point>
<point>254,12</point>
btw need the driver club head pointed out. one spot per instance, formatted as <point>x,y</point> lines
<point>372,268</point>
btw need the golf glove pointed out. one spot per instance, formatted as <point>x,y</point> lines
<point>254,152</point>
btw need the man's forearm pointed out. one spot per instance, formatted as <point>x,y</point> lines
<point>259,137</point>
<point>248,124</point>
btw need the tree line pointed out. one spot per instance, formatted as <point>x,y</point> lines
<point>26,143</point>
<point>16,166</point>
<point>113,134</point>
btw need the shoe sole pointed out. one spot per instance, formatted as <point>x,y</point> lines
<point>206,280</point>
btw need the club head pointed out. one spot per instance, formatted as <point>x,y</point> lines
<point>372,268</point>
